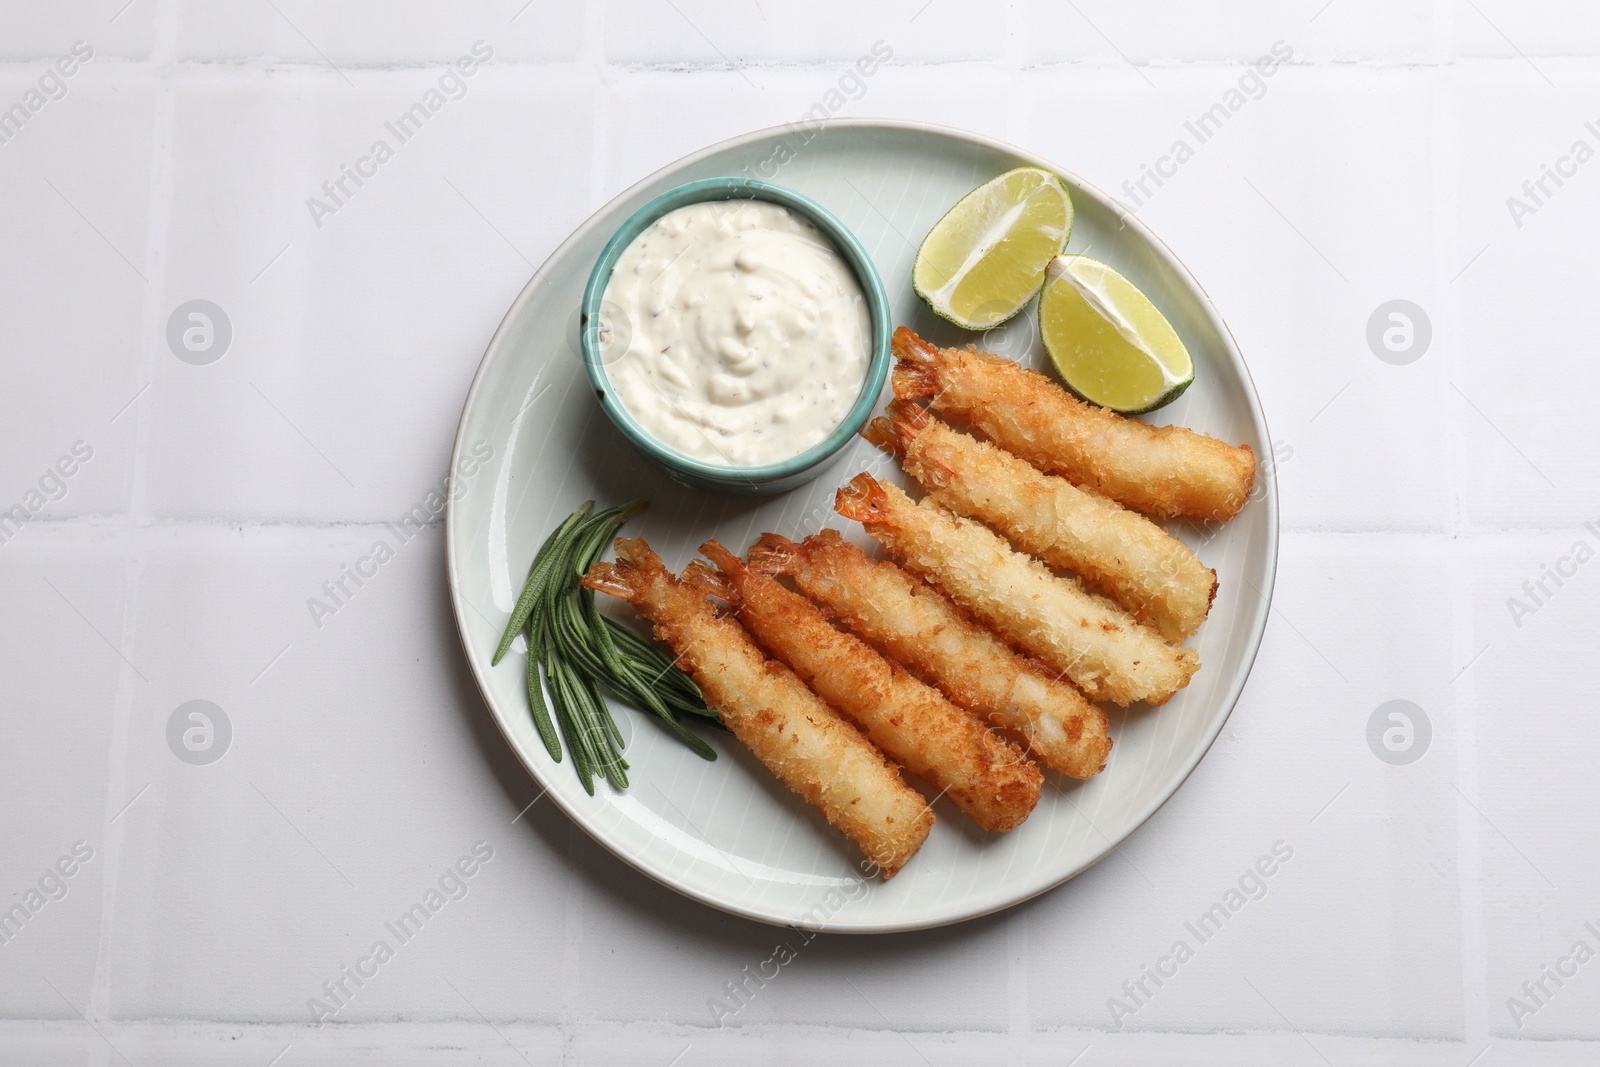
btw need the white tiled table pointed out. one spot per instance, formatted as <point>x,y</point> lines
<point>176,562</point>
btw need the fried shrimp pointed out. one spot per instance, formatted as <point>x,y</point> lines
<point>1088,638</point>
<point>1152,574</point>
<point>789,729</point>
<point>925,632</point>
<point>982,773</point>
<point>1164,471</point>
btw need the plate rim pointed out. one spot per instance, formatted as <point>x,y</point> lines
<point>1265,471</point>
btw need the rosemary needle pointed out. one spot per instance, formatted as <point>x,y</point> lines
<point>576,654</point>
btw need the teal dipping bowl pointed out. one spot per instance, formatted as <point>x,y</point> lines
<point>698,474</point>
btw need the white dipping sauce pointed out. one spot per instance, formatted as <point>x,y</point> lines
<point>747,335</point>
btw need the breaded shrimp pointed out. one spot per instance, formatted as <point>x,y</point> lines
<point>918,626</point>
<point>1119,552</point>
<point>1088,638</point>
<point>789,729</point>
<point>1164,471</point>
<point>982,773</point>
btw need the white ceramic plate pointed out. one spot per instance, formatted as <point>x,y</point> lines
<point>727,833</point>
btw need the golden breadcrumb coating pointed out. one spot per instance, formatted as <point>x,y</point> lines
<point>1103,649</point>
<point>788,728</point>
<point>982,773</point>
<point>1120,552</point>
<point>928,634</point>
<point>1164,471</point>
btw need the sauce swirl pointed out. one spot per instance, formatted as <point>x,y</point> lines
<point>736,333</point>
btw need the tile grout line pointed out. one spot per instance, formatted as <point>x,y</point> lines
<point>1019,1006</point>
<point>1461,696</point>
<point>572,935</point>
<point>600,123</point>
<point>1010,64</point>
<point>157,225</point>
<point>257,63</point>
<point>430,1035</point>
<point>158,210</point>
<point>572,909</point>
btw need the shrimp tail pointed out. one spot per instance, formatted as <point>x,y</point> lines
<point>627,578</point>
<point>916,374</point>
<point>914,380</point>
<point>772,554</point>
<point>607,578</point>
<point>715,578</point>
<point>894,433</point>
<point>703,578</point>
<point>910,419</point>
<point>726,561</point>
<point>862,500</point>
<point>885,435</point>
<point>907,422</point>
<point>634,552</point>
<point>908,346</point>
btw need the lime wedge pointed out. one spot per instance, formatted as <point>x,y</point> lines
<point>985,259</point>
<point>1111,345</point>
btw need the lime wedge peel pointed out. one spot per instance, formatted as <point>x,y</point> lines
<point>1111,345</point>
<point>985,259</point>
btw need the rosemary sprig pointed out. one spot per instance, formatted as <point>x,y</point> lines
<point>575,652</point>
